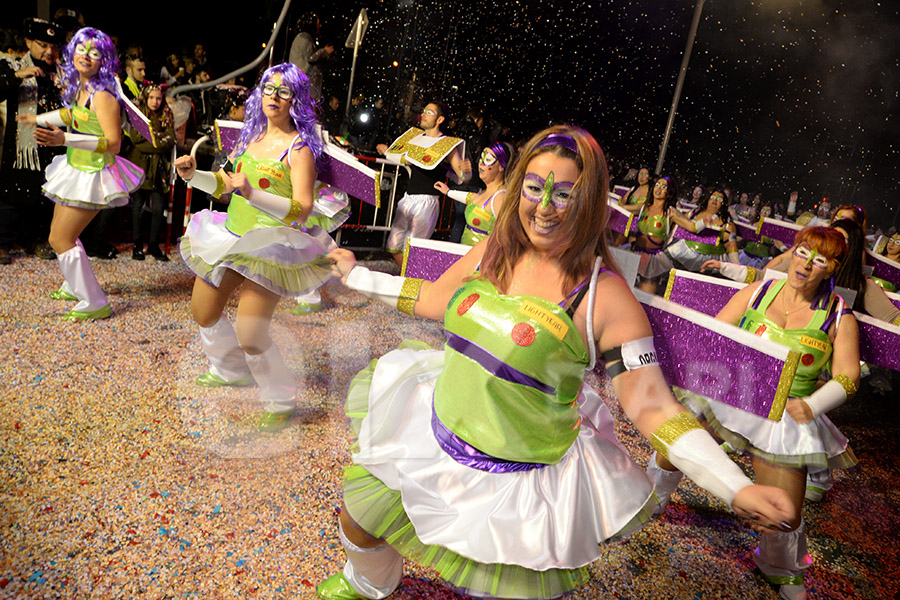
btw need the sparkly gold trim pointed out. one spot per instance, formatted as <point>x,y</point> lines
<point>377,189</point>
<point>66,115</point>
<point>405,258</point>
<point>102,145</point>
<point>784,386</point>
<point>628,224</point>
<point>436,153</point>
<point>220,185</point>
<point>294,212</point>
<point>847,384</point>
<point>759,225</point>
<point>218,135</point>
<point>671,430</point>
<point>409,293</point>
<point>670,285</point>
<point>751,275</point>
<point>896,321</point>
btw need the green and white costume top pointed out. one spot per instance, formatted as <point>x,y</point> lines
<point>786,442</point>
<point>282,256</point>
<point>90,179</point>
<point>489,460</point>
<point>480,219</point>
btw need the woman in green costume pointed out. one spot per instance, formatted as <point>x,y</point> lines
<point>490,460</point>
<point>265,245</point>
<point>803,313</point>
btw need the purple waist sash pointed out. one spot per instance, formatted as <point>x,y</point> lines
<point>494,365</point>
<point>470,456</point>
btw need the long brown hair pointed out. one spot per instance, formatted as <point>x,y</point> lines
<point>584,219</point>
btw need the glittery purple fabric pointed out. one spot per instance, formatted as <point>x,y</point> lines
<point>343,176</point>
<point>747,231</point>
<point>705,362</point>
<point>886,271</point>
<point>878,346</point>
<point>428,263</point>
<point>229,136</point>
<point>470,456</point>
<point>494,365</point>
<point>706,297</point>
<point>618,221</point>
<point>707,236</point>
<point>137,120</point>
<point>778,232</point>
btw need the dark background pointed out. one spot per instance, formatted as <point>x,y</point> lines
<point>779,94</point>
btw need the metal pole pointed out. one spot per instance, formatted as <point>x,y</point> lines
<point>353,67</point>
<point>698,8</point>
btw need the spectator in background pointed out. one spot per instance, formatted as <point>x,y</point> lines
<point>306,56</point>
<point>172,73</point>
<point>12,51</point>
<point>135,71</point>
<point>472,131</point>
<point>154,160</point>
<point>199,55</point>
<point>333,116</point>
<point>29,87</point>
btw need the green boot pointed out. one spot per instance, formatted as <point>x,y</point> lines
<point>337,587</point>
<point>104,312</point>
<point>273,422</point>
<point>306,308</point>
<point>210,380</point>
<point>62,294</point>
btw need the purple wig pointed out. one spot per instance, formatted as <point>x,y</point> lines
<point>302,111</point>
<point>105,79</point>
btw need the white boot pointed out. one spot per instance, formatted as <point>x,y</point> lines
<point>782,557</point>
<point>226,358</point>
<point>277,387</point>
<point>373,572</point>
<point>818,482</point>
<point>665,482</point>
<point>81,283</point>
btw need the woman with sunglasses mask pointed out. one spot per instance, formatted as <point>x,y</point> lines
<point>265,244</point>
<point>483,207</point>
<point>803,313</point>
<point>90,176</point>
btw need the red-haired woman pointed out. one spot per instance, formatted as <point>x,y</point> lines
<point>803,313</point>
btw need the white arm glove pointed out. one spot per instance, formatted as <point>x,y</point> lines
<point>684,442</point>
<point>394,291</point>
<point>286,210</point>
<point>737,272</point>
<point>205,181</point>
<point>84,141</point>
<point>699,225</point>
<point>831,395</point>
<point>57,118</point>
<point>459,195</point>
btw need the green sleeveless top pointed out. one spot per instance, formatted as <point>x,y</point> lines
<point>480,220</point>
<point>703,247</point>
<point>811,341</point>
<point>513,367</point>
<point>656,226</point>
<point>270,175</point>
<point>84,120</point>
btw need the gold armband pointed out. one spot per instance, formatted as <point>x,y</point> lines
<point>66,115</point>
<point>220,185</point>
<point>293,213</point>
<point>102,145</point>
<point>671,430</point>
<point>847,384</point>
<point>409,293</point>
<point>751,275</point>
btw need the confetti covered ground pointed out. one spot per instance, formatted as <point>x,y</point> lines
<point>122,479</point>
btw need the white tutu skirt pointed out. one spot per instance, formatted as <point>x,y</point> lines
<point>286,261</point>
<point>786,443</point>
<point>106,188</point>
<point>545,518</point>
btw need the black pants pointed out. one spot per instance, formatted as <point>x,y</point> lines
<point>156,202</point>
<point>25,213</point>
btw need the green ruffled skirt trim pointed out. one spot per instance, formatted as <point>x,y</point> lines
<point>379,511</point>
<point>698,404</point>
<point>285,280</point>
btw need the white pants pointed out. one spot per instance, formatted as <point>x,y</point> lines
<point>416,216</point>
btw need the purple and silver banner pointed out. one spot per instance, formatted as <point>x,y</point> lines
<point>428,259</point>
<point>620,220</point>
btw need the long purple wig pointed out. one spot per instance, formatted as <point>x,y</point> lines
<point>302,111</point>
<point>105,79</point>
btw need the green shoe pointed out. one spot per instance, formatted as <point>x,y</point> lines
<point>210,380</point>
<point>61,294</point>
<point>273,422</point>
<point>306,308</point>
<point>337,587</point>
<point>104,312</point>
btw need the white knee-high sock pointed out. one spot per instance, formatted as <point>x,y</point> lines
<point>220,344</point>
<point>80,279</point>
<point>783,554</point>
<point>277,387</point>
<point>373,572</point>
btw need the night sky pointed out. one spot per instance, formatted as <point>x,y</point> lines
<point>779,94</point>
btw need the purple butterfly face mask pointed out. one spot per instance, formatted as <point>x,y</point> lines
<point>537,189</point>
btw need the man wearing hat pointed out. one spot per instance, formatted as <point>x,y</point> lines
<point>29,87</point>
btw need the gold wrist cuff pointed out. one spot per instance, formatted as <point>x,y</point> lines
<point>66,115</point>
<point>409,293</point>
<point>847,384</point>
<point>671,430</point>
<point>220,185</point>
<point>751,275</point>
<point>293,213</point>
<point>102,145</point>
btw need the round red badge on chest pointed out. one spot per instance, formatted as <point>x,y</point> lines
<point>522,334</point>
<point>264,183</point>
<point>807,359</point>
